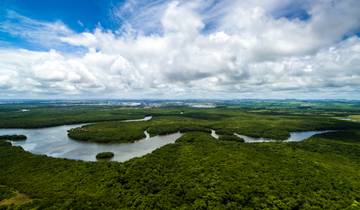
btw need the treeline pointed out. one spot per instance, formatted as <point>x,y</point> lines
<point>13,137</point>
<point>197,172</point>
<point>254,125</point>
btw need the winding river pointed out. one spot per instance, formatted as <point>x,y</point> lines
<point>294,136</point>
<point>54,142</point>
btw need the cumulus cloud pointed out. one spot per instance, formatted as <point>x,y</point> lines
<point>250,51</point>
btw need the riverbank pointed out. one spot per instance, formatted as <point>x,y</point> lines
<point>196,172</point>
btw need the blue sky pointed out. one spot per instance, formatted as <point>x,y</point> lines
<point>179,49</point>
<point>87,15</point>
<point>80,15</point>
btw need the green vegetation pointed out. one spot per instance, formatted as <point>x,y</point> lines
<point>255,125</point>
<point>5,192</point>
<point>9,197</point>
<point>17,200</point>
<point>107,132</point>
<point>13,137</point>
<point>299,107</point>
<point>355,117</point>
<point>104,155</point>
<point>40,115</point>
<point>123,132</point>
<point>51,116</point>
<point>197,171</point>
<point>5,143</point>
<point>352,136</point>
<point>230,138</point>
<point>277,127</point>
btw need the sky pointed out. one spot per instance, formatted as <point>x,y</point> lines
<point>162,49</point>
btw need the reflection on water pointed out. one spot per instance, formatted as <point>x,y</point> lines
<point>147,118</point>
<point>54,142</point>
<point>294,136</point>
<point>249,139</point>
<point>299,136</point>
<point>214,135</point>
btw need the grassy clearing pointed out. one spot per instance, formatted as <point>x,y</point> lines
<point>355,117</point>
<point>10,197</point>
<point>18,199</point>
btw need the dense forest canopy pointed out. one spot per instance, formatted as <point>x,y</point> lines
<point>197,171</point>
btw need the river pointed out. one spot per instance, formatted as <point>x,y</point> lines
<point>54,142</point>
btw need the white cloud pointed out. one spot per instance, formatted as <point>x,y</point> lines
<point>83,39</point>
<point>189,25</point>
<point>249,53</point>
<point>41,33</point>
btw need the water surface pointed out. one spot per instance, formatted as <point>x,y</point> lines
<point>294,136</point>
<point>213,134</point>
<point>54,142</point>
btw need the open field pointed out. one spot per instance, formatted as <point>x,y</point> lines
<point>355,117</point>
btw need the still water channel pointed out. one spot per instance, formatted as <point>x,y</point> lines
<point>54,142</point>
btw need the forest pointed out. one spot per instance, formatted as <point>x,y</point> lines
<point>195,172</point>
